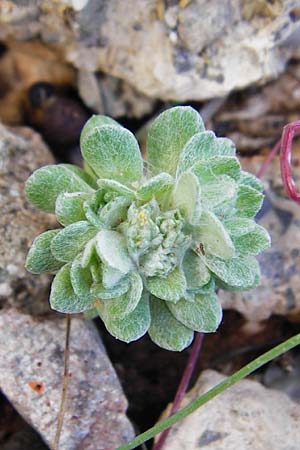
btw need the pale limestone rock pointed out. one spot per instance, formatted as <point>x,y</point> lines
<point>247,416</point>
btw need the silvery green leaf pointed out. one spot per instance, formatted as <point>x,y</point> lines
<point>88,252</point>
<point>113,152</point>
<point>131,327</point>
<point>94,122</point>
<point>62,296</point>
<point>200,147</point>
<point>102,293</point>
<point>45,184</point>
<point>110,277</point>
<point>225,147</point>
<point>123,305</point>
<point>196,272</point>
<point>69,207</point>
<point>204,315</point>
<point>248,179</point>
<point>241,272</point>
<point>112,250</point>
<point>70,240</point>
<point>115,211</point>
<point>155,187</point>
<point>81,174</point>
<point>96,268</point>
<point>208,288</point>
<point>91,314</point>
<point>168,134</point>
<point>81,279</point>
<point>216,192</point>
<point>213,236</point>
<point>165,330</point>
<point>249,201</point>
<point>253,242</point>
<point>211,169</point>
<point>40,258</point>
<point>115,186</point>
<point>170,288</point>
<point>189,296</point>
<point>187,197</point>
<point>238,226</point>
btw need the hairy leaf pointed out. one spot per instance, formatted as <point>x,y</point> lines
<point>253,242</point>
<point>216,192</point>
<point>204,315</point>
<point>95,121</point>
<point>62,296</point>
<point>111,248</point>
<point>248,179</point>
<point>196,273</point>
<point>45,184</point>
<point>81,279</point>
<point>70,240</point>
<point>213,236</point>
<point>211,169</point>
<point>249,201</point>
<point>123,305</point>
<point>113,152</point>
<point>241,272</point>
<point>69,207</point>
<point>131,327</point>
<point>168,135</point>
<point>155,187</point>
<point>200,147</point>
<point>186,197</point>
<point>102,293</point>
<point>165,330</point>
<point>40,258</point>
<point>170,288</point>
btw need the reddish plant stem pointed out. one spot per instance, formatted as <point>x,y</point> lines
<point>290,131</point>
<point>183,385</point>
<point>269,159</point>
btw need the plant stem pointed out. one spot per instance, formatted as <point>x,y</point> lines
<point>60,418</point>
<point>269,159</point>
<point>290,131</point>
<point>225,384</point>
<point>183,385</point>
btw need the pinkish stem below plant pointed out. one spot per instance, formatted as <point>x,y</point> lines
<point>290,131</point>
<point>183,385</point>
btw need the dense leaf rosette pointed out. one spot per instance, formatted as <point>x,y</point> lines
<point>147,251</point>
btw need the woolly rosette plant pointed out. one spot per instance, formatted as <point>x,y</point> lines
<point>147,248</point>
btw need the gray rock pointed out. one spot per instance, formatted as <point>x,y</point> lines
<point>187,50</point>
<point>21,152</point>
<point>247,416</point>
<point>31,368</point>
<point>280,286</point>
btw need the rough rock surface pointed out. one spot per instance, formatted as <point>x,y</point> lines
<point>280,287</point>
<point>31,367</point>
<point>246,417</point>
<point>21,152</point>
<point>158,48</point>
